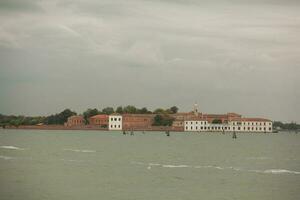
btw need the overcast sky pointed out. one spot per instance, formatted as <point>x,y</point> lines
<point>228,56</point>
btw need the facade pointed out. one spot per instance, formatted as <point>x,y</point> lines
<point>99,120</point>
<point>137,121</point>
<point>115,122</point>
<point>75,120</point>
<point>242,125</point>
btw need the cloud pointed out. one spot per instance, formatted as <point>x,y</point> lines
<point>19,6</point>
<point>150,53</point>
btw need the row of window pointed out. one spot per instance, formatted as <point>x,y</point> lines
<point>228,128</point>
<point>252,123</point>
<point>200,122</point>
<point>77,121</point>
<point>115,126</point>
<point>115,119</point>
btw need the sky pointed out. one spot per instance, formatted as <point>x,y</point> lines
<point>227,56</point>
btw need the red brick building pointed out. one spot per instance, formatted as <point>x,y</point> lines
<point>99,120</point>
<point>137,121</point>
<point>75,120</point>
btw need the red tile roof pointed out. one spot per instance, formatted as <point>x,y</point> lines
<point>99,117</point>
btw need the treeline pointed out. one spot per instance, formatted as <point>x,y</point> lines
<point>60,118</point>
<point>12,120</point>
<point>286,126</point>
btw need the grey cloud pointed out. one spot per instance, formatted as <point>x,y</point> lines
<point>228,56</point>
<point>19,6</point>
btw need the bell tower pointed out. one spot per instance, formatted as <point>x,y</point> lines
<point>196,109</point>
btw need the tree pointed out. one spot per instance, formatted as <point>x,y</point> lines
<point>159,111</point>
<point>108,110</point>
<point>89,113</point>
<point>174,109</point>
<point>119,110</point>
<point>60,118</point>
<point>216,121</point>
<point>130,109</point>
<point>144,110</point>
<point>163,120</point>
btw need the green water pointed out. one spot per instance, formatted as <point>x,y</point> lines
<point>71,165</point>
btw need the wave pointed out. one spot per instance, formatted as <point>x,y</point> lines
<point>6,157</point>
<point>280,171</point>
<point>259,158</point>
<point>11,147</point>
<point>175,166</point>
<point>72,160</point>
<point>81,150</point>
<point>267,171</point>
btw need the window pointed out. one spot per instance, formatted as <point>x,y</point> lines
<point>196,127</point>
<point>111,126</point>
<point>186,128</point>
<point>270,129</point>
<point>119,126</point>
<point>120,119</point>
<point>186,122</point>
<point>239,128</point>
<point>249,128</point>
<point>201,127</point>
<point>191,128</point>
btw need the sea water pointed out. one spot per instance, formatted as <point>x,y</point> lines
<point>71,165</point>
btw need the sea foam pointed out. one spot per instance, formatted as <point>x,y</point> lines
<point>81,150</point>
<point>11,147</point>
<point>267,171</point>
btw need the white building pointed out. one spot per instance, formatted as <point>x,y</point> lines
<point>195,125</point>
<point>241,125</point>
<point>115,122</point>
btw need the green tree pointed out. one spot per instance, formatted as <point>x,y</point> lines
<point>159,111</point>
<point>89,113</point>
<point>163,120</point>
<point>130,109</point>
<point>174,109</point>
<point>108,110</point>
<point>216,121</point>
<point>119,110</point>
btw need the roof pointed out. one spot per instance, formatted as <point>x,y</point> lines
<point>75,116</point>
<point>138,115</point>
<point>255,120</point>
<point>102,116</point>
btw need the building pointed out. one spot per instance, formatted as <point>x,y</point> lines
<point>115,122</point>
<point>195,121</point>
<point>99,120</point>
<point>75,120</point>
<point>137,121</point>
<point>237,125</point>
